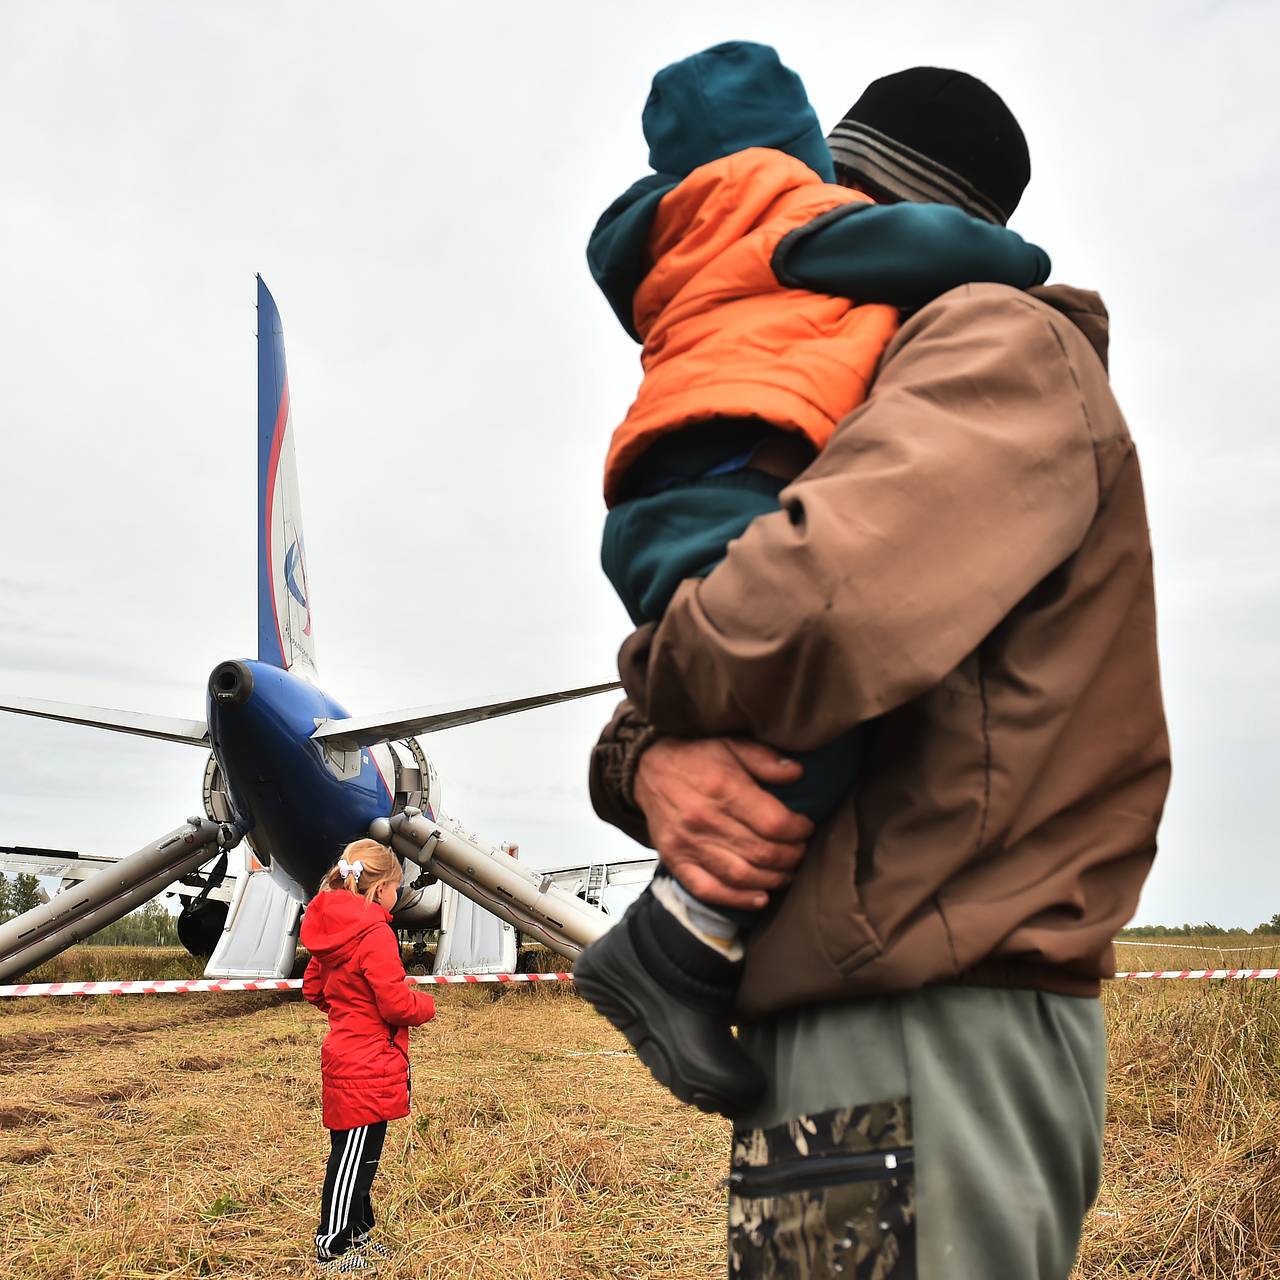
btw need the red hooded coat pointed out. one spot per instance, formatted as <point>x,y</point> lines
<point>357,977</point>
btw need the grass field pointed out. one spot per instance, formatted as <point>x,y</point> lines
<point>180,1137</point>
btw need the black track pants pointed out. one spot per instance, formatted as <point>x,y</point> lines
<point>346,1215</point>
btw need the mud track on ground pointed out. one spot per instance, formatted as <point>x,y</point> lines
<point>56,1108</point>
<point>25,1049</point>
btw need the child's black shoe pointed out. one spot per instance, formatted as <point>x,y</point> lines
<point>672,996</point>
<point>344,1264</point>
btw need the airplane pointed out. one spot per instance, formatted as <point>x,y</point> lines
<point>295,777</point>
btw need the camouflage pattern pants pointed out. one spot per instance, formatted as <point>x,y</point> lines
<point>947,1134</point>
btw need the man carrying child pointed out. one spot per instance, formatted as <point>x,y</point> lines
<point>962,578</point>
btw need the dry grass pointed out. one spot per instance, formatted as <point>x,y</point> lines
<point>176,1138</point>
<point>153,1137</point>
<point>1191,1184</point>
<point>99,964</point>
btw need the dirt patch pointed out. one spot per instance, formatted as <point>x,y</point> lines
<point>107,1097</point>
<point>121,1093</point>
<point>199,1064</point>
<point>124,1094</point>
<point>17,1060</point>
<point>17,1050</point>
<point>21,1117</point>
<point>27,1155</point>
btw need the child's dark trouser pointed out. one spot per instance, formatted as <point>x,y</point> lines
<point>346,1215</point>
<point>654,542</point>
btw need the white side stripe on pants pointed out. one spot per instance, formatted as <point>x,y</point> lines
<point>345,1219</point>
<point>343,1187</point>
<point>323,1242</point>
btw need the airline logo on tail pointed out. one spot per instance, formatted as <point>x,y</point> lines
<point>295,564</point>
<point>283,519</point>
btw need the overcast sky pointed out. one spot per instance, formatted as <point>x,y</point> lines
<point>416,183</point>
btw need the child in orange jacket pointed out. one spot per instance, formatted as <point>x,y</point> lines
<point>356,976</point>
<point>764,296</point>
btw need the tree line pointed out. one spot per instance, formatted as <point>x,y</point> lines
<point>1268,928</point>
<point>18,895</point>
<point>149,926</point>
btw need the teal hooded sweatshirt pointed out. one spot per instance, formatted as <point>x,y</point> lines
<point>696,490</point>
<point>739,95</point>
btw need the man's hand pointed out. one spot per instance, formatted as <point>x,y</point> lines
<point>718,832</point>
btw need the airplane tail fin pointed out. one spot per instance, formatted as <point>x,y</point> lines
<point>285,637</point>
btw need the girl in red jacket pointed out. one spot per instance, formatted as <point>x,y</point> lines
<point>357,977</point>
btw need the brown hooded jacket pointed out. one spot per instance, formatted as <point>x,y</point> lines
<point>967,567</point>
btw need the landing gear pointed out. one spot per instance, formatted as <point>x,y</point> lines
<point>202,919</point>
<point>200,925</point>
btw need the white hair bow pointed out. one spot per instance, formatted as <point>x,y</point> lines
<point>346,868</point>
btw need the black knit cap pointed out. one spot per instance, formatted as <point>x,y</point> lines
<point>929,135</point>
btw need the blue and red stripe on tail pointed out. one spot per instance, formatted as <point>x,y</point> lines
<point>285,636</point>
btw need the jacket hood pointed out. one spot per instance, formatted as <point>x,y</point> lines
<point>336,920</point>
<point>1084,308</point>
<point>726,99</point>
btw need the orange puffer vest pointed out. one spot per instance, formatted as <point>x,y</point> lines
<point>722,336</point>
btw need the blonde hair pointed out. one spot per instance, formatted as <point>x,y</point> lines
<point>381,866</point>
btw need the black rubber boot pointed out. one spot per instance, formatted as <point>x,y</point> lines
<point>672,996</point>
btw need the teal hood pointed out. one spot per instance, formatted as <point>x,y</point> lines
<point>726,99</point>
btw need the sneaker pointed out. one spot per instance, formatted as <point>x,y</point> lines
<point>672,996</point>
<point>344,1264</point>
<point>372,1248</point>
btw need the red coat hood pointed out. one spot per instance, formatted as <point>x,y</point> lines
<point>336,920</point>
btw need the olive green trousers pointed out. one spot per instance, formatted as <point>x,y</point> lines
<point>953,1133</point>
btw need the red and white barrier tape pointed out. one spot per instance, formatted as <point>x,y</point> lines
<point>1195,946</point>
<point>195,986</point>
<point>1203,973</point>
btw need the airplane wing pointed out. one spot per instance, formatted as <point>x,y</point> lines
<point>17,860</point>
<point>169,728</point>
<point>69,868</point>
<point>367,731</point>
<point>611,885</point>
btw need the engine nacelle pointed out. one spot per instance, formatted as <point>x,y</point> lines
<point>217,803</point>
<point>413,779</point>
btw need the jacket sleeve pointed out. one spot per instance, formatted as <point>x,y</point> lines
<point>904,254</point>
<point>312,990</point>
<point>617,252</point>
<point>398,1004</point>
<point>965,478</point>
<point>613,770</point>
